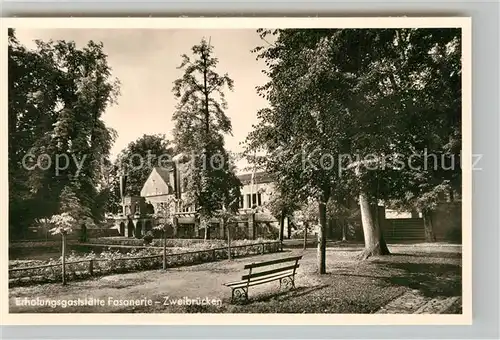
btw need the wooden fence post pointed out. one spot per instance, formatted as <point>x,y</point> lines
<point>91,267</point>
<point>63,269</point>
<point>164,265</point>
<point>262,250</point>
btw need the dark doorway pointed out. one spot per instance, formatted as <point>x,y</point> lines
<point>130,229</point>
<point>149,226</point>
<point>138,230</point>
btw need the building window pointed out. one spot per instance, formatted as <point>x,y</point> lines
<point>188,208</point>
<point>242,202</point>
<point>256,200</point>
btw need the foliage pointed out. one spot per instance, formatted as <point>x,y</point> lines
<point>148,238</point>
<point>375,90</point>
<point>72,205</point>
<point>137,161</point>
<point>280,204</point>
<point>163,216</point>
<point>200,126</point>
<point>382,94</point>
<point>307,215</point>
<point>62,223</point>
<point>57,96</point>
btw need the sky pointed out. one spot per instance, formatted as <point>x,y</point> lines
<point>146,60</point>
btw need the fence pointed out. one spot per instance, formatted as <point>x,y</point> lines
<point>98,266</point>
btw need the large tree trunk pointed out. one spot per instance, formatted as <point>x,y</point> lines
<point>428,227</point>
<point>322,237</point>
<point>374,242</point>
<point>383,244</point>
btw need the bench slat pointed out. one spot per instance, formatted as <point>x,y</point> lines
<point>269,272</point>
<point>268,263</point>
<point>258,281</point>
<point>230,284</point>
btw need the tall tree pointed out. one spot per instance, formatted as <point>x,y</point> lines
<point>200,126</point>
<point>296,131</point>
<point>57,138</point>
<point>30,116</point>
<point>355,92</point>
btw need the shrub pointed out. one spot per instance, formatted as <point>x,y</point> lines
<point>148,238</point>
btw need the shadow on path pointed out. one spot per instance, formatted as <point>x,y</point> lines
<point>431,279</point>
<point>274,295</point>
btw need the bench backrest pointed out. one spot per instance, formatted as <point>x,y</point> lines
<point>289,264</point>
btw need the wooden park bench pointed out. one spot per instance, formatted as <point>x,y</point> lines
<point>285,273</point>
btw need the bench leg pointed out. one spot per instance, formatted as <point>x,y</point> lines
<point>288,282</point>
<point>239,294</point>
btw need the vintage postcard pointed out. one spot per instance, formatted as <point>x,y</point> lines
<point>240,170</point>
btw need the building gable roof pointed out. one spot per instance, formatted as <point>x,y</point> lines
<point>164,185</point>
<point>164,173</point>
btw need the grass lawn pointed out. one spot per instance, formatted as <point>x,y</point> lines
<point>349,286</point>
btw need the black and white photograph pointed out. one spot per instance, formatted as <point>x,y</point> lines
<point>250,169</point>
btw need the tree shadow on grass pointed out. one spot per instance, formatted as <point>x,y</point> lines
<point>431,279</point>
<point>440,255</point>
<point>276,295</point>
